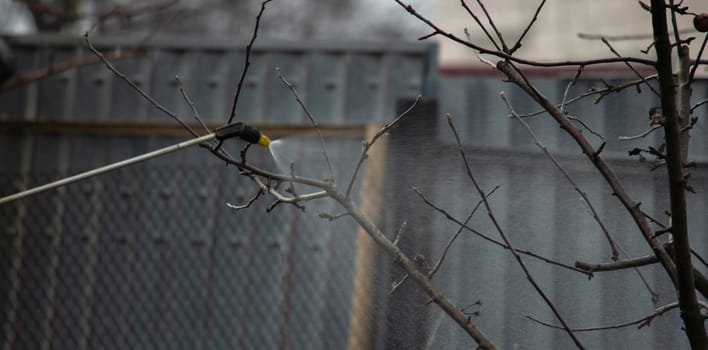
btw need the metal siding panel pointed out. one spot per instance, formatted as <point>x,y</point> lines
<point>282,106</point>
<point>454,101</point>
<point>326,86</point>
<point>167,65</point>
<point>626,114</point>
<point>590,113</point>
<point>543,127</point>
<point>264,304</point>
<point>406,80</point>
<point>233,272</point>
<point>93,81</point>
<point>13,101</point>
<point>123,101</point>
<point>53,92</point>
<point>253,103</point>
<point>363,86</point>
<point>210,85</point>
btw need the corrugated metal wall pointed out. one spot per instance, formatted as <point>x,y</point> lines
<point>539,211</point>
<point>149,256</point>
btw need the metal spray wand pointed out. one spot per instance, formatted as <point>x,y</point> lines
<point>238,129</point>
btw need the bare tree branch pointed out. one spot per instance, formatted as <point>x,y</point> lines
<point>395,285</point>
<point>517,45</point>
<point>195,113</point>
<point>250,201</point>
<point>629,65</point>
<point>438,263</point>
<point>576,187</point>
<point>412,270</point>
<point>400,231</point>
<point>479,23</point>
<point>312,121</point>
<point>135,87</point>
<point>366,145</point>
<point>494,27</point>
<point>570,84</point>
<point>641,135</point>
<point>602,92</point>
<point>698,59</point>
<point>247,62</point>
<point>495,242</point>
<point>506,240</point>
<point>610,177</point>
<point>618,265</point>
<point>641,322</point>
<point>506,56</point>
<point>627,37</point>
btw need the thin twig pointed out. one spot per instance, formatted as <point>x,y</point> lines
<point>567,176</point>
<point>674,23</point>
<point>698,59</point>
<point>491,23</point>
<point>584,125</point>
<point>600,164</point>
<point>517,45</point>
<point>190,103</point>
<point>135,87</point>
<point>400,231</point>
<point>631,67</point>
<point>495,242</point>
<point>366,145</point>
<point>412,268</point>
<point>698,104</point>
<point>618,265</point>
<point>513,251</point>
<point>627,37</point>
<point>614,246</point>
<point>285,199</point>
<point>247,62</point>
<point>331,217</point>
<point>570,84</point>
<point>603,92</point>
<point>506,56</point>
<point>397,284</point>
<point>312,121</point>
<point>652,219</point>
<point>479,23</point>
<point>699,257</point>
<point>250,201</point>
<point>441,259</point>
<point>642,322</point>
<point>641,135</point>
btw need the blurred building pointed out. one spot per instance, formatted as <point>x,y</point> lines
<point>555,35</point>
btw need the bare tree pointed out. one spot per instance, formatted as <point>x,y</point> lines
<point>674,254</point>
<point>672,251</point>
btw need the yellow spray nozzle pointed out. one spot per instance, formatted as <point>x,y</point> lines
<point>264,141</point>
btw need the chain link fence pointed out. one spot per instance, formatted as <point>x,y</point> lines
<point>151,257</point>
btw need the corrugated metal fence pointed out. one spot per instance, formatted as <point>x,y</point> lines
<point>150,257</point>
<point>539,211</point>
